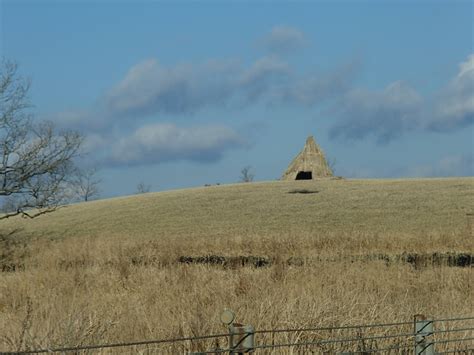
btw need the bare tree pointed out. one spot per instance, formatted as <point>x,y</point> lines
<point>142,188</point>
<point>246,174</point>
<point>86,184</point>
<point>36,161</point>
<point>332,164</point>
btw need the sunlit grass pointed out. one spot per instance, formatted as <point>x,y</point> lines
<point>108,270</point>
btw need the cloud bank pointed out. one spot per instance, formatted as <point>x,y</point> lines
<point>454,107</point>
<point>399,108</point>
<point>161,142</point>
<point>127,124</point>
<point>151,88</point>
<point>385,114</point>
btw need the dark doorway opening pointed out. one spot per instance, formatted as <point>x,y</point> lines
<point>304,175</point>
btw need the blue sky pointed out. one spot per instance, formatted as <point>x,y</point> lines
<point>180,94</point>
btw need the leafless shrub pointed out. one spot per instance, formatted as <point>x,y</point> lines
<point>246,174</point>
<point>86,184</point>
<point>143,188</point>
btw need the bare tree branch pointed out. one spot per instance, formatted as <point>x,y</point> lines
<point>36,161</point>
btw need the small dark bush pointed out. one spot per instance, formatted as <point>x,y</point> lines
<point>303,191</point>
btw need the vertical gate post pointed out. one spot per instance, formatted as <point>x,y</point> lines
<point>423,333</point>
<point>241,337</point>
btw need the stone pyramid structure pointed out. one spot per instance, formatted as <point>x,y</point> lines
<point>309,164</point>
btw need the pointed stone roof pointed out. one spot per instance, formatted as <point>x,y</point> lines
<point>310,160</point>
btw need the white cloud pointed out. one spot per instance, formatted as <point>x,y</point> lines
<point>454,106</point>
<point>384,114</point>
<point>160,142</point>
<point>466,68</point>
<point>397,109</point>
<point>263,78</point>
<point>313,89</point>
<point>94,143</point>
<point>150,87</point>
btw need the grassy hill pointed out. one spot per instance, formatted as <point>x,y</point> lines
<point>156,265</point>
<point>418,207</point>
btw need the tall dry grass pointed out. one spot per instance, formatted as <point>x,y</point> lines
<point>92,290</point>
<point>84,275</point>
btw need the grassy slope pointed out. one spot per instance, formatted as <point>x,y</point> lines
<point>84,286</point>
<point>386,206</point>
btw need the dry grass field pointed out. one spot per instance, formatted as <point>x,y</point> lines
<point>133,268</point>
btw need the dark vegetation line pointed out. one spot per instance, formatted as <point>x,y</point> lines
<point>415,259</point>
